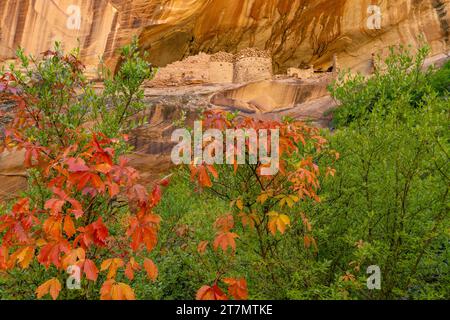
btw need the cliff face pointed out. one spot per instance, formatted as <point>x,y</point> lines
<point>36,24</point>
<point>296,32</point>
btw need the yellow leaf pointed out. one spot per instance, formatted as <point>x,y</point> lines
<point>262,198</point>
<point>112,265</point>
<point>41,242</point>
<point>128,293</point>
<point>290,200</point>
<point>240,204</point>
<point>105,264</point>
<point>24,256</point>
<point>278,222</point>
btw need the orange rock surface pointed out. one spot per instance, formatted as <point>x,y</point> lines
<point>297,32</point>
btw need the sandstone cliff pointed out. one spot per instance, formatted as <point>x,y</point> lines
<point>36,24</point>
<point>297,32</point>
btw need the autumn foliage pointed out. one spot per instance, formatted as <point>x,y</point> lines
<point>259,203</point>
<point>85,207</point>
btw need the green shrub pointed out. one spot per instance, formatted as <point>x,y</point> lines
<point>399,77</point>
<point>388,205</point>
<point>440,80</point>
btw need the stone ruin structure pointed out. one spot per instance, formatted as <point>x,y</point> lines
<point>252,65</point>
<point>193,69</point>
<point>221,68</point>
<point>246,66</point>
<point>301,73</point>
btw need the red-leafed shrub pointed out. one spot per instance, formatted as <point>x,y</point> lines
<point>84,211</point>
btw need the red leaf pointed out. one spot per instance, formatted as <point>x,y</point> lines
<point>100,232</point>
<point>51,253</point>
<point>77,209</point>
<point>77,165</point>
<point>156,195</point>
<point>55,206</point>
<point>138,192</point>
<point>90,269</point>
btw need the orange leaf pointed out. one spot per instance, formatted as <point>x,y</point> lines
<point>203,177</point>
<point>52,286</point>
<point>69,226</point>
<point>112,265</point>
<point>152,270</point>
<point>348,277</point>
<point>52,227</point>
<point>240,204</point>
<point>129,269</point>
<point>72,257</point>
<point>210,293</point>
<point>143,230</point>
<point>308,240</point>
<point>4,252</point>
<point>129,273</point>
<point>201,248</point>
<point>112,290</point>
<point>224,223</point>
<point>23,256</point>
<point>213,171</point>
<point>225,240</point>
<point>237,288</point>
<point>103,168</point>
<point>248,219</point>
<point>90,269</point>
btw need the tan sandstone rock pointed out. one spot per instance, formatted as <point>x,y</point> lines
<point>296,33</point>
<point>12,174</point>
<point>36,24</point>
